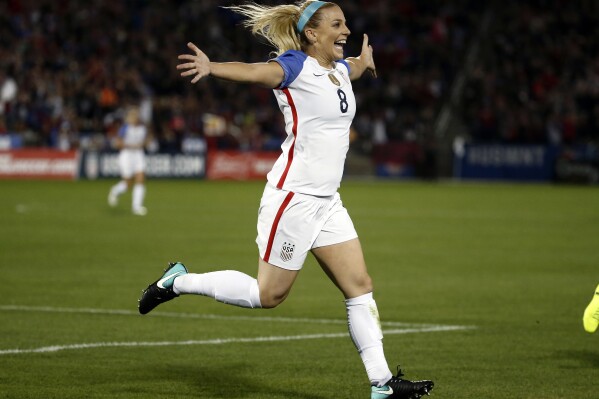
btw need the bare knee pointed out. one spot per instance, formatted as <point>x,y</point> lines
<point>271,299</point>
<point>269,303</point>
<point>274,284</point>
<point>356,286</point>
<point>364,284</point>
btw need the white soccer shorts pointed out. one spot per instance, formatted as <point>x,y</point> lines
<point>291,224</point>
<point>131,162</point>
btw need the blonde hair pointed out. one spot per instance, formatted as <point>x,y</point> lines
<point>278,24</point>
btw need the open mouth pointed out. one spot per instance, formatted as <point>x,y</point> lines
<point>339,44</point>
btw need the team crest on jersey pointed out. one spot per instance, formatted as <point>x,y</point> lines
<point>334,79</point>
<point>287,251</point>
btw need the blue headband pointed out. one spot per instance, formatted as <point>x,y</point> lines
<point>307,14</point>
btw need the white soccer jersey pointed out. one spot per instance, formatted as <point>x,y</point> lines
<point>132,160</point>
<point>319,106</point>
<point>133,135</point>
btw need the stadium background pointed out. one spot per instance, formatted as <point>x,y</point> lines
<point>512,77</point>
<point>471,90</point>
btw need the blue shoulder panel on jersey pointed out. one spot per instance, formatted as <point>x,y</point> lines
<point>346,65</point>
<point>122,130</point>
<point>292,62</point>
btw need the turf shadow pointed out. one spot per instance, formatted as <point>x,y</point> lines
<point>237,379</point>
<point>588,359</point>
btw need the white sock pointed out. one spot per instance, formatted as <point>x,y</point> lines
<point>365,331</point>
<point>139,192</point>
<point>118,188</point>
<point>227,286</point>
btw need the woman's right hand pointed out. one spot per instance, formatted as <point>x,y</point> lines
<point>199,65</point>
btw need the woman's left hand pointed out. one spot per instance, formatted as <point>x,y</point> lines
<point>366,56</point>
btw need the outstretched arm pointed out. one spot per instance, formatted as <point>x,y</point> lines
<point>363,62</point>
<point>269,74</point>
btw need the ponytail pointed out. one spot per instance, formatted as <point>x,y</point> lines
<point>278,24</point>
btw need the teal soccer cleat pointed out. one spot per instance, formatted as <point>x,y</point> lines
<point>398,388</point>
<point>161,290</point>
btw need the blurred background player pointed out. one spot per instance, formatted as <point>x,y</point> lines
<point>131,141</point>
<point>590,319</point>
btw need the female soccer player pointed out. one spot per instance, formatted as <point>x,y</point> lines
<point>300,209</point>
<point>131,140</point>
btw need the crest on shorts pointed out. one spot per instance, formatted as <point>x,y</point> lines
<point>287,251</point>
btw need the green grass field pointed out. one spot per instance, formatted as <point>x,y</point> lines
<point>515,264</point>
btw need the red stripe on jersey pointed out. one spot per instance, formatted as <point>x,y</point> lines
<point>275,225</point>
<point>294,131</point>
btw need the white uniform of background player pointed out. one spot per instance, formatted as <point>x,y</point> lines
<point>131,140</point>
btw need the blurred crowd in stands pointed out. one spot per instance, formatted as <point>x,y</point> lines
<point>537,77</point>
<point>68,69</point>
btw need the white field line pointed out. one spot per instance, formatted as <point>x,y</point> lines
<point>406,328</point>
<point>218,341</point>
<point>123,312</point>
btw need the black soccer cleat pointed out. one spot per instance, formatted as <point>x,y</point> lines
<point>161,290</point>
<point>404,389</point>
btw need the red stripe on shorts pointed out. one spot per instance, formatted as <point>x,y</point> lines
<point>275,224</point>
<point>294,131</point>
